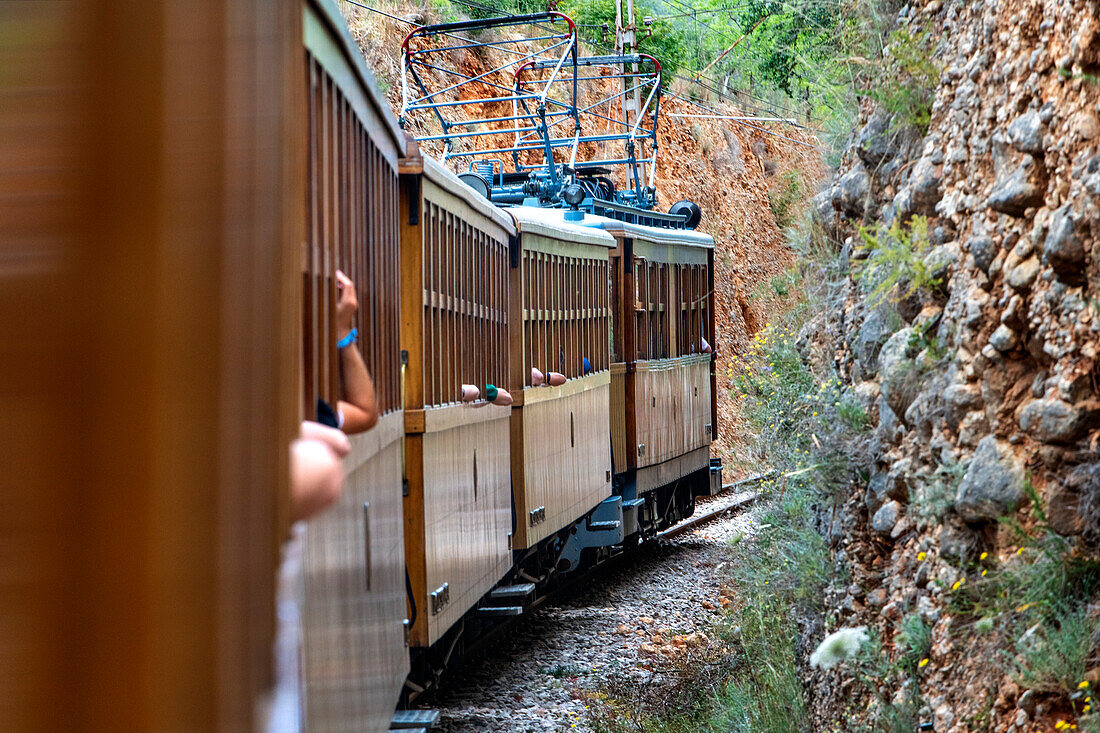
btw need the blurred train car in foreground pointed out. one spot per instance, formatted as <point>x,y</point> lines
<point>150,199</point>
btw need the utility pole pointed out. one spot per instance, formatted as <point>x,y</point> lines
<point>625,44</point>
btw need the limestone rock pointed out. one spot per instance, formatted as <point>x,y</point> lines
<point>1004,339</point>
<point>898,480</point>
<point>972,428</point>
<point>874,141</point>
<point>897,372</point>
<point>1056,421</point>
<point>852,191</point>
<point>983,250</point>
<point>1063,509</point>
<point>960,399</point>
<point>993,484</point>
<point>1026,133</point>
<point>939,261</point>
<point>823,211</point>
<point>924,188</point>
<point>1022,276</point>
<point>873,333</point>
<point>1063,250</point>
<point>886,517</point>
<point>1014,191</point>
<point>1084,125</point>
<point>958,542</point>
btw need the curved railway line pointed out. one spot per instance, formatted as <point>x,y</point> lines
<point>716,507</point>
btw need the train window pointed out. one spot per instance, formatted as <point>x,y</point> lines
<point>465,309</point>
<point>566,313</point>
<point>352,224</point>
<point>670,308</point>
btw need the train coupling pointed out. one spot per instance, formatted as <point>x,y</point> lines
<point>715,485</point>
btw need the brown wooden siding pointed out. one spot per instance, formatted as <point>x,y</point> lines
<point>354,659</point>
<point>566,313</point>
<point>465,303</point>
<point>455,330</point>
<point>351,204</point>
<point>151,209</point>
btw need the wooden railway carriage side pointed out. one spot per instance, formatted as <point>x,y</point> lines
<point>455,331</point>
<point>561,458</point>
<point>662,387</point>
<point>148,311</point>
<point>354,659</point>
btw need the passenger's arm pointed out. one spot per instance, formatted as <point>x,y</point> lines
<point>359,406</point>
<point>316,474</point>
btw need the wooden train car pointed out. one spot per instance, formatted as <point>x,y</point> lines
<point>455,331</point>
<point>662,386</point>
<point>354,656</point>
<point>561,458</point>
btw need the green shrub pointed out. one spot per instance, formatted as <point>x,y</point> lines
<point>930,499</point>
<point>914,641</point>
<point>894,268</point>
<point>853,415</point>
<point>784,202</point>
<point>904,82</point>
<point>1055,658</point>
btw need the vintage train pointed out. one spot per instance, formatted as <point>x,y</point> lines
<point>593,312</point>
<point>179,188</point>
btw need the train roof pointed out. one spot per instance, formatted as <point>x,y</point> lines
<point>345,58</point>
<point>439,175</point>
<point>552,223</point>
<point>657,235</point>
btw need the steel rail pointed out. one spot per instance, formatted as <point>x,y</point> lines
<point>581,579</point>
<point>689,524</point>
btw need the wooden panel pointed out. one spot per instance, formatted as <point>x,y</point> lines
<point>565,452</point>
<point>467,517</point>
<point>618,417</point>
<point>354,656</point>
<point>352,210</point>
<point>465,328</point>
<point>674,407</point>
<point>151,214</point>
<point>662,288</point>
<point>566,314</point>
<point>455,323</point>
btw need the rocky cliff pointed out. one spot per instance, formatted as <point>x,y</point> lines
<point>970,328</point>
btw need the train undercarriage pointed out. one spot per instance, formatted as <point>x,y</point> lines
<point>614,528</point>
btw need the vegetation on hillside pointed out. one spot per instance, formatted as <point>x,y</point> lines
<point>809,60</point>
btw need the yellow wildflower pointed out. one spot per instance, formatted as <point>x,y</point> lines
<point>921,556</point>
<point>1083,685</point>
<point>984,572</point>
<point>958,583</point>
<point>923,663</point>
<point>983,556</point>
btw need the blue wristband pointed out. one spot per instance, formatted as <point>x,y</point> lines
<point>348,340</point>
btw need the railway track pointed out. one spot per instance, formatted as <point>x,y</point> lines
<point>584,578</point>
<point>709,516</point>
